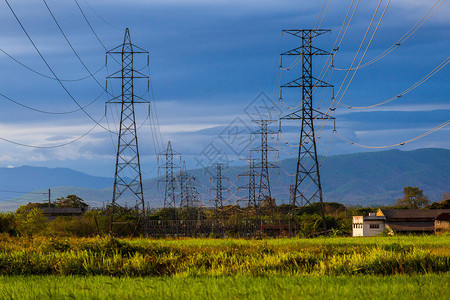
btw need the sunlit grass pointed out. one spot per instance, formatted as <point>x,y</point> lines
<point>429,286</point>
<point>224,257</point>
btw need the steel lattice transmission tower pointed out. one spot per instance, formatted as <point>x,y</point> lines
<point>264,165</point>
<point>169,166</point>
<point>251,199</point>
<point>127,178</point>
<point>189,196</point>
<point>218,200</point>
<point>307,187</point>
<point>183,179</point>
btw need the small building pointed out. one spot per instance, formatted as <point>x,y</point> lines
<point>370,225</point>
<point>53,212</point>
<point>416,221</point>
<point>442,223</point>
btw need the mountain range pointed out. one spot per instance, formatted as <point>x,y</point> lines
<point>367,179</point>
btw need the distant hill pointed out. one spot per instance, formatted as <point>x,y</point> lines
<point>16,183</point>
<point>371,178</point>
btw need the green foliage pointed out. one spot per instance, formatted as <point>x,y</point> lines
<point>166,214</point>
<point>444,204</point>
<point>30,221</point>
<point>7,224</point>
<point>71,201</point>
<point>413,198</point>
<point>212,257</point>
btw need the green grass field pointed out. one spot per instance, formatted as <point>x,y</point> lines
<point>408,267</point>
<point>429,286</point>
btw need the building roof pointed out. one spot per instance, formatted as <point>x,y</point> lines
<point>411,226</point>
<point>62,210</point>
<point>411,213</point>
<point>374,218</point>
<point>443,217</point>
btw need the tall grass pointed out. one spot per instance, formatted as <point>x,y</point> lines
<point>430,286</point>
<point>200,257</point>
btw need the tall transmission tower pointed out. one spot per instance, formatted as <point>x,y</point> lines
<point>307,187</point>
<point>264,165</point>
<point>169,166</point>
<point>127,178</point>
<point>218,200</point>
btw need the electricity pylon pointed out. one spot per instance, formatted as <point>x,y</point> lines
<point>189,193</point>
<point>218,200</point>
<point>169,166</point>
<point>307,187</point>
<point>264,165</point>
<point>251,199</point>
<point>127,178</point>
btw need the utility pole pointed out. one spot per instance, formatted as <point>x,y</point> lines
<point>49,201</point>
<point>169,166</point>
<point>307,187</point>
<point>127,177</point>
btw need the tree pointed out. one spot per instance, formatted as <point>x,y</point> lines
<point>71,201</point>
<point>30,221</point>
<point>413,198</point>
<point>444,204</point>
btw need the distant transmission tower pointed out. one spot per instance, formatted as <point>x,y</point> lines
<point>169,166</point>
<point>183,180</point>
<point>251,199</point>
<point>189,193</point>
<point>307,188</point>
<point>127,178</point>
<point>218,201</point>
<point>264,165</point>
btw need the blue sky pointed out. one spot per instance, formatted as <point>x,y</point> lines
<point>209,61</point>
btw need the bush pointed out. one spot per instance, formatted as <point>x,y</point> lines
<point>30,221</point>
<point>7,224</point>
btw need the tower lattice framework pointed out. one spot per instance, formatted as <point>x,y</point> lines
<point>218,200</point>
<point>307,188</point>
<point>127,178</point>
<point>264,164</point>
<point>169,166</point>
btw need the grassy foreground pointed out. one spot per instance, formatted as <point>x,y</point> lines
<point>210,257</point>
<point>430,286</point>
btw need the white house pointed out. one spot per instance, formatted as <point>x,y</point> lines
<point>370,225</point>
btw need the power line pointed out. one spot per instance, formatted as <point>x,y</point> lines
<point>50,112</point>
<point>46,76</point>
<point>398,144</point>
<point>403,39</point>
<point>50,68</point>
<point>411,88</point>
<point>53,146</point>
<point>100,16</point>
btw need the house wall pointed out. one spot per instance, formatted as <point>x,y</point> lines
<point>363,227</point>
<point>441,225</point>
<point>358,226</point>
<point>373,228</point>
